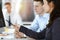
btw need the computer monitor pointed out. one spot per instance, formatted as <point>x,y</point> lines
<point>2,22</point>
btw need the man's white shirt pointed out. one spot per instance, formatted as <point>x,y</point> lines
<point>40,22</point>
<point>15,18</point>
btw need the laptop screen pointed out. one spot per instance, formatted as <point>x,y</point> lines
<point>2,22</point>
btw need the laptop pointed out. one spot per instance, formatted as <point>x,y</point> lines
<point>2,22</point>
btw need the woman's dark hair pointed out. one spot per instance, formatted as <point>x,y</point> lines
<point>55,13</point>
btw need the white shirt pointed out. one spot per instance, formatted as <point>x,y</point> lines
<point>40,22</point>
<point>15,18</point>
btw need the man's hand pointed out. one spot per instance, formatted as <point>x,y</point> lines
<point>3,34</point>
<point>16,27</point>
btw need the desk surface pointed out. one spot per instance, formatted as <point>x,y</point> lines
<point>18,39</point>
<point>8,38</point>
<point>12,37</point>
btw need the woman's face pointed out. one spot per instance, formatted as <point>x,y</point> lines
<point>48,7</point>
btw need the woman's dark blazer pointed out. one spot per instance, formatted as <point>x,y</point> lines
<point>52,33</point>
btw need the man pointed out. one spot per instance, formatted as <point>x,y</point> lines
<point>11,18</point>
<point>42,18</point>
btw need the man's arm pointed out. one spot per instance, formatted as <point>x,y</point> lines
<point>17,19</point>
<point>34,26</point>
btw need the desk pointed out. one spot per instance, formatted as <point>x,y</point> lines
<point>12,37</point>
<point>15,38</point>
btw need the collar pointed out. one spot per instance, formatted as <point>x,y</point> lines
<point>10,13</point>
<point>46,15</point>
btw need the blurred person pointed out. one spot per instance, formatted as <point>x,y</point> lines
<point>42,18</point>
<point>11,18</point>
<point>52,31</point>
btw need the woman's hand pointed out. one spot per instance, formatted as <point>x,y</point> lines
<point>18,34</point>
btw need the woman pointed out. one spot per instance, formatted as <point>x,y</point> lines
<point>52,31</point>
